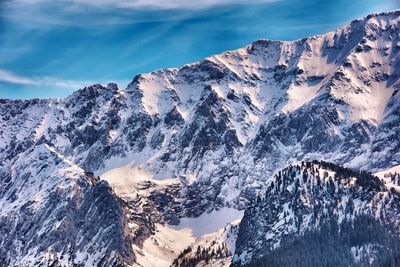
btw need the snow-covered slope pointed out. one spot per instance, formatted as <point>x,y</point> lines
<point>213,249</point>
<point>390,177</point>
<point>163,247</point>
<point>183,141</point>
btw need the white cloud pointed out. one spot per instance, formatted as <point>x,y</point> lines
<point>138,4</point>
<point>9,77</point>
<point>179,4</point>
<point>85,13</point>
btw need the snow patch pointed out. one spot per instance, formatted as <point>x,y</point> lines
<point>208,223</point>
<point>163,247</point>
<point>124,179</point>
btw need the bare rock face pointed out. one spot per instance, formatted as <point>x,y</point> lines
<point>54,214</point>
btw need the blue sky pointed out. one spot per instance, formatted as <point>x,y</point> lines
<point>51,48</point>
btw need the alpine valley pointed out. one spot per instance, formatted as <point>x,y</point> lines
<point>280,153</point>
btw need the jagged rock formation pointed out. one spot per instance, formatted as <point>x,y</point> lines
<point>53,214</point>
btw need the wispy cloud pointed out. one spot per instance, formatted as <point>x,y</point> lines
<point>138,4</point>
<point>84,13</point>
<point>12,78</point>
<point>9,77</point>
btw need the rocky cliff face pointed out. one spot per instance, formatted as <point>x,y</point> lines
<point>219,127</point>
<point>52,213</point>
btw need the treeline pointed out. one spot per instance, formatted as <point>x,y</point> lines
<point>364,179</point>
<point>340,231</point>
<point>308,173</point>
<point>363,242</point>
<point>201,256</point>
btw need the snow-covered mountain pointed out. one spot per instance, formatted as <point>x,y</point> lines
<point>52,214</point>
<point>321,214</point>
<point>180,142</point>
